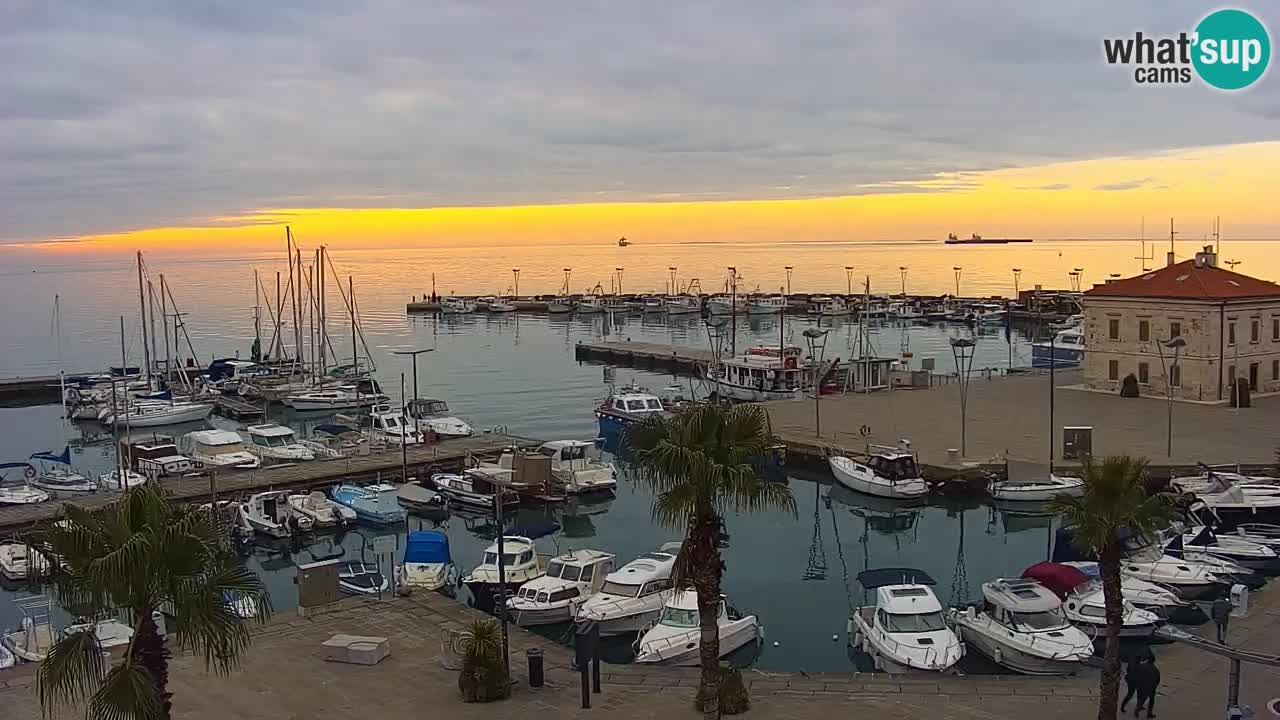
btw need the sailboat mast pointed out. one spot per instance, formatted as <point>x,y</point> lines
<point>257,314</point>
<point>142,311</point>
<point>151,312</point>
<point>355,347</point>
<point>311,316</point>
<point>297,307</point>
<point>164,317</point>
<point>320,308</point>
<point>279,317</point>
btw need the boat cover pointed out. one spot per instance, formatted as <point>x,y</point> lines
<point>1204,538</point>
<point>1061,579</point>
<point>427,546</point>
<point>334,429</point>
<point>64,457</point>
<point>880,577</point>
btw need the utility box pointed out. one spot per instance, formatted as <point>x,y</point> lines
<point>1077,442</point>
<point>1239,601</point>
<point>317,585</point>
<point>532,470</point>
<point>927,364</point>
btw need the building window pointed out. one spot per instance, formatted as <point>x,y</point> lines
<point>1253,376</point>
<point>1254,331</point>
<point>1275,328</point>
<point>1275,369</point>
<point>1231,376</point>
<point>1231,333</point>
<point>1144,374</point>
<point>1113,369</point>
<point>1175,330</point>
<point>1175,376</point>
<point>1144,330</point>
<point>1113,329</point>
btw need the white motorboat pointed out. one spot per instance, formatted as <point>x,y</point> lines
<point>55,474</point>
<point>432,415</point>
<point>1189,579</point>
<point>340,398</point>
<point>361,578</point>
<point>389,425</point>
<point>682,304</point>
<point>591,304</point>
<point>114,481</point>
<point>495,304</point>
<point>556,596</point>
<point>652,305</point>
<point>521,563</point>
<point>560,305</point>
<point>413,496</point>
<point>1072,322</point>
<point>828,306</point>
<point>244,606</point>
<point>1066,350</point>
<point>1086,608</point>
<point>676,637</point>
<point>110,633</point>
<point>271,441</point>
<point>889,473</point>
<point>473,487</point>
<point>19,562</point>
<point>1144,595</point>
<point>766,305</point>
<point>220,449</point>
<point>269,513</point>
<point>1022,627</point>
<point>1211,481</point>
<point>1221,567</point>
<point>31,640</point>
<point>320,510</point>
<point>457,306</point>
<point>765,372</point>
<point>727,304</point>
<point>905,630</point>
<point>7,658</point>
<point>21,494</point>
<point>427,561</point>
<point>1248,554</point>
<point>1036,490</point>
<point>156,414</point>
<point>633,596</point>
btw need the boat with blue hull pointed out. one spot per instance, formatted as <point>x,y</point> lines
<point>623,408</point>
<point>1065,350</point>
<point>375,504</point>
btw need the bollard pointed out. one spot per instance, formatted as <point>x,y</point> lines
<point>534,656</point>
<point>595,657</point>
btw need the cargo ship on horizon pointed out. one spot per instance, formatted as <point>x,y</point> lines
<point>977,239</point>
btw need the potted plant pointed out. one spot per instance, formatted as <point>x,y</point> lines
<point>484,676</point>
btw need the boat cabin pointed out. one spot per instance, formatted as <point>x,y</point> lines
<point>767,368</point>
<point>566,454</point>
<point>894,465</point>
<point>427,407</point>
<point>648,574</point>
<point>635,403</point>
<point>1024,605</point>
<point>210,443</point>
<point>271,435</point>
<point>576,574</point>
<point>166,466</point>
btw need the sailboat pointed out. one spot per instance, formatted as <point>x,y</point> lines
<point>56,475</point>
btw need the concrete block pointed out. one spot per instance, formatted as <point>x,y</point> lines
<point>356,649</point>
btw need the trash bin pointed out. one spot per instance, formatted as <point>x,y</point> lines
<point>535,667</point>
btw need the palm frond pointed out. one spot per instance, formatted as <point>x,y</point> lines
<point>71,670</point>
<point>1115,499</point>
<point>127,692</point>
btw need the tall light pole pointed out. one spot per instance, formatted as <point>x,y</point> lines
<point>515,272</point>
<point>619,272</point>
<point>957,270</point>
<point>962,352</point>
<point>902,270</point>
<point>715,333</point>
<point>1175,344</point>
<point>1076,275</point>
<point>414,354</point>
<point>674,290</point>
<point>789,268</point>
<point>848,279</point>
<point>733,310</point>
<point>1017,275</point>
<point>817,340</point>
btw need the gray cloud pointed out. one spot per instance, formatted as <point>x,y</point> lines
<point>137,113</point>
<point>1126,184</point>
<point>1050,186</point>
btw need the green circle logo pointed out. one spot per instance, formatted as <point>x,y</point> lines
<point>1232,49</point>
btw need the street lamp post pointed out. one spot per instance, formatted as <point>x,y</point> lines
<point>619,272</point>
<point>733,310</point>
<point>957,269</point>
<point>962,353</point>
<point>788,268</point>
<point>674,290</point>
<point>413,354</point>
<point>515,273</point>
<point>1017,274</point>
<point>817,340</point>
<point>848,280</point>
<point>715,333</point>
<point>902,270</point>
<point>1175,344</point>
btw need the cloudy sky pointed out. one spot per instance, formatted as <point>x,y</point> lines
<point>124,115</point>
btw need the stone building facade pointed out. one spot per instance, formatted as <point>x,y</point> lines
<point>1230,323</point>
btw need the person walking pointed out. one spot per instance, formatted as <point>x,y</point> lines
<point>1138,657</point>
<point>1147,678</point>
<point>1221,614</point>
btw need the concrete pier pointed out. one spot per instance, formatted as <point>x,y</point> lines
<point>644,355</point>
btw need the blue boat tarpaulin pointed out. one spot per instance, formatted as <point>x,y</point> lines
<point>427,546</point>
<point>64,457</point>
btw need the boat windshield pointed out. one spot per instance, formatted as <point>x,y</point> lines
<point>676,617</point>
<point>1047,620</point>
<point>508,559</point>
<point>915,623</point>
<point>571,572</point>
<point>620,589</point>
<point>554,568</point>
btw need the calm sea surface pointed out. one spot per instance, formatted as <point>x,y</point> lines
<point>519,372</point>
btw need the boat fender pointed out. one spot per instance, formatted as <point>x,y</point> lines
<point>998,656</point>
<point>30,472</point>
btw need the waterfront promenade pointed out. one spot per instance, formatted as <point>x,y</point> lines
<point>1009,417</point>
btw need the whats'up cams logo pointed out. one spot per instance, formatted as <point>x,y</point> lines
<point>1228,50</point>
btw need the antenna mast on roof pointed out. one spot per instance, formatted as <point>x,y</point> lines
<point>1217,235</point>
<point>1170,260</point>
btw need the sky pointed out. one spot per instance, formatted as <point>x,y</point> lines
<point>401,123</point>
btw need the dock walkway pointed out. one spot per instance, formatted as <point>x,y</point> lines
<point>421,459</point>
<point>643,354</point>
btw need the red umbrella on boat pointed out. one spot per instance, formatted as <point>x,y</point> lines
<point>1059,578</point>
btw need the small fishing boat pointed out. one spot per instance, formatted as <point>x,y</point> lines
<point>114,481</point>
<point>1066,350</point>
<point>1022,627</point>
<point>633,596</point>
<point>457,306</point>
<point>555,596</point>
<point>1036,490</point>
<point>765,372</point>
<point>1259,557</point>
<point>220,449</point>
<point>268,513</point>
<point>19,562</point>
<point>340,398</point>
<point>432,415</point>
<point>320,510</point>
<point>427,562</point>
<point>571,469</point>
<point>905,630</point>
<point>390,425</point>
<point>1189,579</point>
<point>495,304</point>
<point>727,304</point>
<point>157,414</point>
<point>14,487</point>
<point>624,407</point>
<point>675,639</point>
<point>55,474</point>
<point>560,305</point>
<point>376,504</point>
<point>356,577</point>
<point>1070,323</point>
<point>766,305</point>
<point>415,497</point>
<point>824,306</point>
<point>270,441</point>
<point>1086,608</point>
<point>681,304</point>
<point>591,304</point>
<point>34,635</point>
<point>474,487</point>
<point>521,563</point>
<point>888,472</point>
<point>653,305</point>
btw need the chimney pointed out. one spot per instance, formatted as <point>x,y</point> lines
<point>1207,257</point>
<point>1169,260</point>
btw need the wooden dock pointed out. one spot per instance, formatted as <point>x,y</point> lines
<point>237,409</point>
<point>643,355</point>
<point>422,460</point>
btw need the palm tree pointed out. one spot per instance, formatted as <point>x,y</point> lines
<point>699,465</point>
<point>132,558</point>
<point>1115,499</point>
